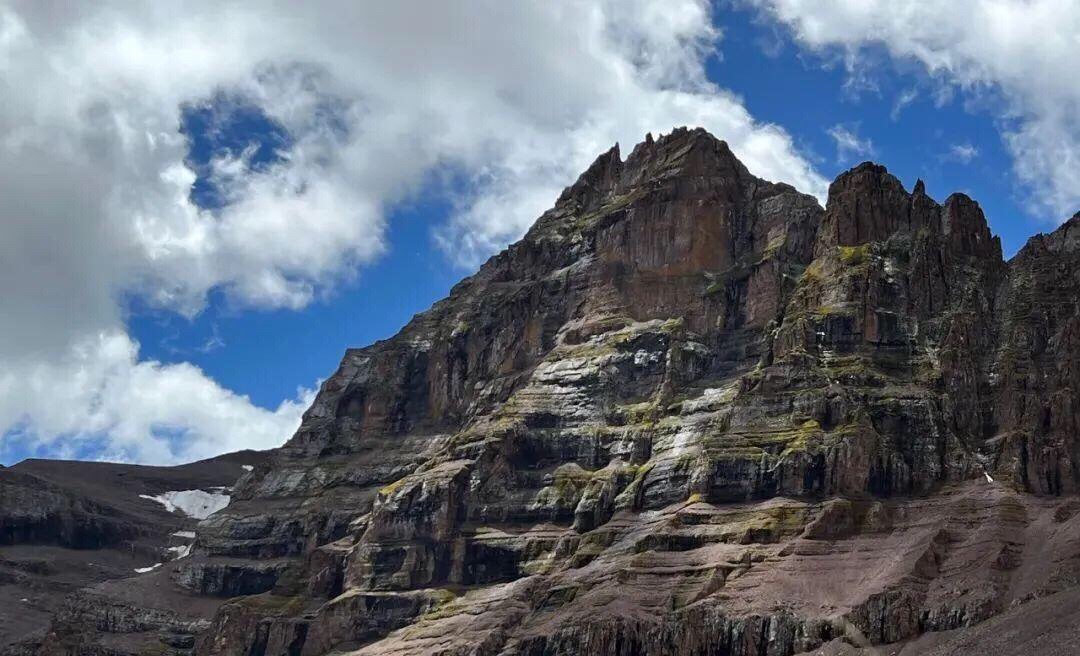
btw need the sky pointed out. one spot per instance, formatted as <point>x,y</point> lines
<point>203,208</point>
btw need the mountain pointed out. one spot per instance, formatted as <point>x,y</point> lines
<point>65,525</point>
<point>690,412</point>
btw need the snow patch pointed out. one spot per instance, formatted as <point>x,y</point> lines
<point>247,467</point>
<point>989,478</point>
<point>199,504</point>
<point>144,570</point>
<point>182,551</point>
<point>189,535</point>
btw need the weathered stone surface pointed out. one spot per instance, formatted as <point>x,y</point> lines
<point>690,412</point>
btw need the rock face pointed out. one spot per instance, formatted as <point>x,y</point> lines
<point>690,412</point>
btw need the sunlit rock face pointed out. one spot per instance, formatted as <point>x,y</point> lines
<point>690,412</point>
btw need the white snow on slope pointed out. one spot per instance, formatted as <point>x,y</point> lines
<point>144,570</point>
<point>182,551</point>
<point>199,504</point>
<point>248,467</point>
<point>190,535</point>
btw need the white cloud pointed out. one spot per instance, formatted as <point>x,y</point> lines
<point>1025,51</point>
<point>849,144</point>
<point>963,153</point>
<point>515,98</point>
<point>138,409</point>
<point>906,97</point>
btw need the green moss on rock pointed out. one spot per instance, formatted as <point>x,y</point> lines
<point>854,255</point>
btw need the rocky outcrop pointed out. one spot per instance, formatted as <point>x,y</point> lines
<point>690,412</point>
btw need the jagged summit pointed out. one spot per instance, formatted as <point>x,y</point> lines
<point>682,153</point>
<point>868,204</point>
<point>691,412</point>
<point>694,157</point>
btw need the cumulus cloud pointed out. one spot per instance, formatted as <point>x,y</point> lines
<point>510,99</point>
<point>849,144</point>
<point>1022,50</point>
<point>130,408</point>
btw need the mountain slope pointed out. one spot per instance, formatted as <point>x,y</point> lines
<point>68,524</point>
<point>690,412</point>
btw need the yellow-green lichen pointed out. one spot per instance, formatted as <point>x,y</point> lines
<point>718,282</point>
<point>441,604</point>
<point>854,255</point>
<point>813,272</point>
<point>715,287</point>
<point>614,205</point>
<point>851,370</point>
<point>751,445</point>
<point>572,471</point>
<point>776,242</point>
<point>390,488</point>
<point>671,325</point>
<point>772,524</point>
<point>830,310</point>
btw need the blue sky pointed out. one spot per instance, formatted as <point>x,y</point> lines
<point>808,94</point>
<point>298,193</point>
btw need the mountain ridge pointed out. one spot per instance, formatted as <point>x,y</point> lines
<point>65,525</point>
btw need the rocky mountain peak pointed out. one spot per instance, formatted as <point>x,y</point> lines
<point>868,204</point>
<point>681,154</point>
<point>684,152</point>
<point>691,413</point>
<point>964,226</point>
<point>865,204</point>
